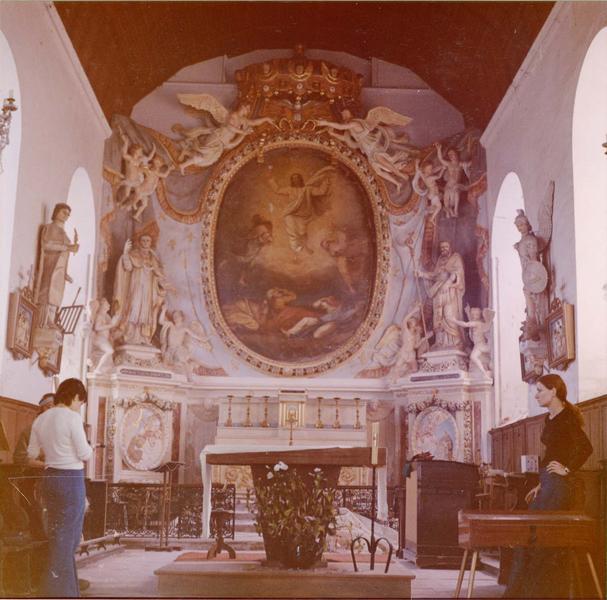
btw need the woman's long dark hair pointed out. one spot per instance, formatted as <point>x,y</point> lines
<point>555,382</point>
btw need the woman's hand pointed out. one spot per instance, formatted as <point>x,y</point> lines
<point>556,467</point>
<point>531,494</point>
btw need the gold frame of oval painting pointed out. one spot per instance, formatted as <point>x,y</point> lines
<point>295,266</point>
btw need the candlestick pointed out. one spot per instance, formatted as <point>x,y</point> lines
<point>319,423</point>
<point>247,421</point>
<point>291,420</point>
<point>337,424</point>
<point>265,422</point>
<point>228,422</point>
<point>374,442</point>
<point>357,424</point>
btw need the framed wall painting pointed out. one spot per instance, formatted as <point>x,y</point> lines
<point>560,335</point>
<point>22,318</point>
<point>50,362</point>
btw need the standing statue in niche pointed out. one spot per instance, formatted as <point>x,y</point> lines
<point>479,323</point>
<point>453,169</point>
<point>446,288</point>
<point>203,146</point>
<point>531,248</point>
<point>55,249</point>
<point>139,290</point>
<point>175,338</point>
<point>373,136</point>
<point>102,323</point>
<point>413,343</point>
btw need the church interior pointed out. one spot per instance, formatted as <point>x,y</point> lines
<point>332,245</point>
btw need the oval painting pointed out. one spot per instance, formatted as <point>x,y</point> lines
<point>143,437</point>
<point>294,255</point>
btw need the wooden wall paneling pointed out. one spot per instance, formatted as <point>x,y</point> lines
<point>507,454</point>
<point>519,443</point>
<point>592,426</point>
<point>533,431</point>
<point>15,416</point>
<point>603,419</point>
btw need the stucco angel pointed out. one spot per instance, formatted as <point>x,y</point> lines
<point>531,248</point>
<point>452,174</point>
<point>479,322</point>
<point>413,343</point>
<point>203,146</point>
<point>101,324</point>
<point>176,338</point>
<point>387,153</point>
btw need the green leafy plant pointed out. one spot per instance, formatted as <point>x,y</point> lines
<point>294,511</point>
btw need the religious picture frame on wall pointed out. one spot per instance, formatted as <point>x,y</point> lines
<point>22,316</point>
<point>560,335</point>
<point>50,362</point>
<point>529,373</point>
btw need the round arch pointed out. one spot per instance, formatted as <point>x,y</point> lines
<point>589,127</point>
<point>9,85</point>
<point>82,219</point>
<point>509,303</point>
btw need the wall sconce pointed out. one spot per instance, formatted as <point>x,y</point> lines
<point>8,107</point>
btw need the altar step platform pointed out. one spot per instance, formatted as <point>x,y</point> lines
<point>190,575</point>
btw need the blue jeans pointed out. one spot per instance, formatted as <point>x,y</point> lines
<point>543,573</point>
<point>64,495</point>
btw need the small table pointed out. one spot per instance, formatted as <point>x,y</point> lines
<point>529,529</point>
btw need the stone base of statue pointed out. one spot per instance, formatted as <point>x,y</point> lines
<point>446,363</point>
<point>140,360</point>
<point>47,343</point>
<point>533,355</point>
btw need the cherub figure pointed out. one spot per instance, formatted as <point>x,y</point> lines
<point>101,324</point>
<point>151,176</point>
<point>374,137</point>
<point>175,337</point>
<point>134,163</point>
<point>413,342</point>
<point>479,323</point>
<point>453,168</point>
<point>203,146</point>
<point>429,176</point>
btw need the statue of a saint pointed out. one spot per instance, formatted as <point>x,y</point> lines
<point>447,287</point>
<point>139,290</point>
<point>55,248</point>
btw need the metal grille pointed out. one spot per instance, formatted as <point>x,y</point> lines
<point>357,498</point>
<point>133,509</point>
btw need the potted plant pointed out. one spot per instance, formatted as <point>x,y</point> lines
<point>294,511</point>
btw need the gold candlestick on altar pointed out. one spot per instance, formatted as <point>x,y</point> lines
<point>337,424</point>
<point>374,442</point>
<point>357,425</point>
<point>228,422</point>
<point>291,420</point>
<point>265,422</point>
<point>247,421</point>
<point>319,423</point>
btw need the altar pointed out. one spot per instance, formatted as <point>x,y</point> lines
<point>328,456</point>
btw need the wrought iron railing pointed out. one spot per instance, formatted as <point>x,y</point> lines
<point>357,498</point>
<point>133,509</point>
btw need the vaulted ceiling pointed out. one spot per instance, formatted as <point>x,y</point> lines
<point>468,52</point>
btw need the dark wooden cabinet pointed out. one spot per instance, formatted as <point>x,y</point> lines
<point>434,493</point>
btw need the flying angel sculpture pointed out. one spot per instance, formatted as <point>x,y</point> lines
<point>203,146</point>
<point>375,138</point>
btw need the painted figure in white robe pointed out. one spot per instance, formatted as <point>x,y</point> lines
<point>55,249</point>
<point>139,290</point>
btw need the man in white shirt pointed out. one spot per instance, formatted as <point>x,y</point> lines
<point>59,434</point>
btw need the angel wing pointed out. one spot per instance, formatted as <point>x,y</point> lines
<point>544,218</point>
<point>488,315</point>
<point>207,103</point>
<point>383,114</point>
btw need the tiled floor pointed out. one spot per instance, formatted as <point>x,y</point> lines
<point>129,573</point>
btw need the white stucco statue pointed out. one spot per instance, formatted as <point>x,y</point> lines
<point>55,249</point>
<point>134,162</point>
<point>203,146</point>
<point>175,340</point>
<point>413,341</point>
<point>446,288</point>
<point>429,176</point>
<point>479,323</point>
<point>530,249</point>
<point>453,170</point>
<point>374,137</point>
<point>139,291</point>
<point>152,174</point>
<point>101,324</point>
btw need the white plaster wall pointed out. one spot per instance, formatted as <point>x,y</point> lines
<point>530,134</point>
<point>63,129</point>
